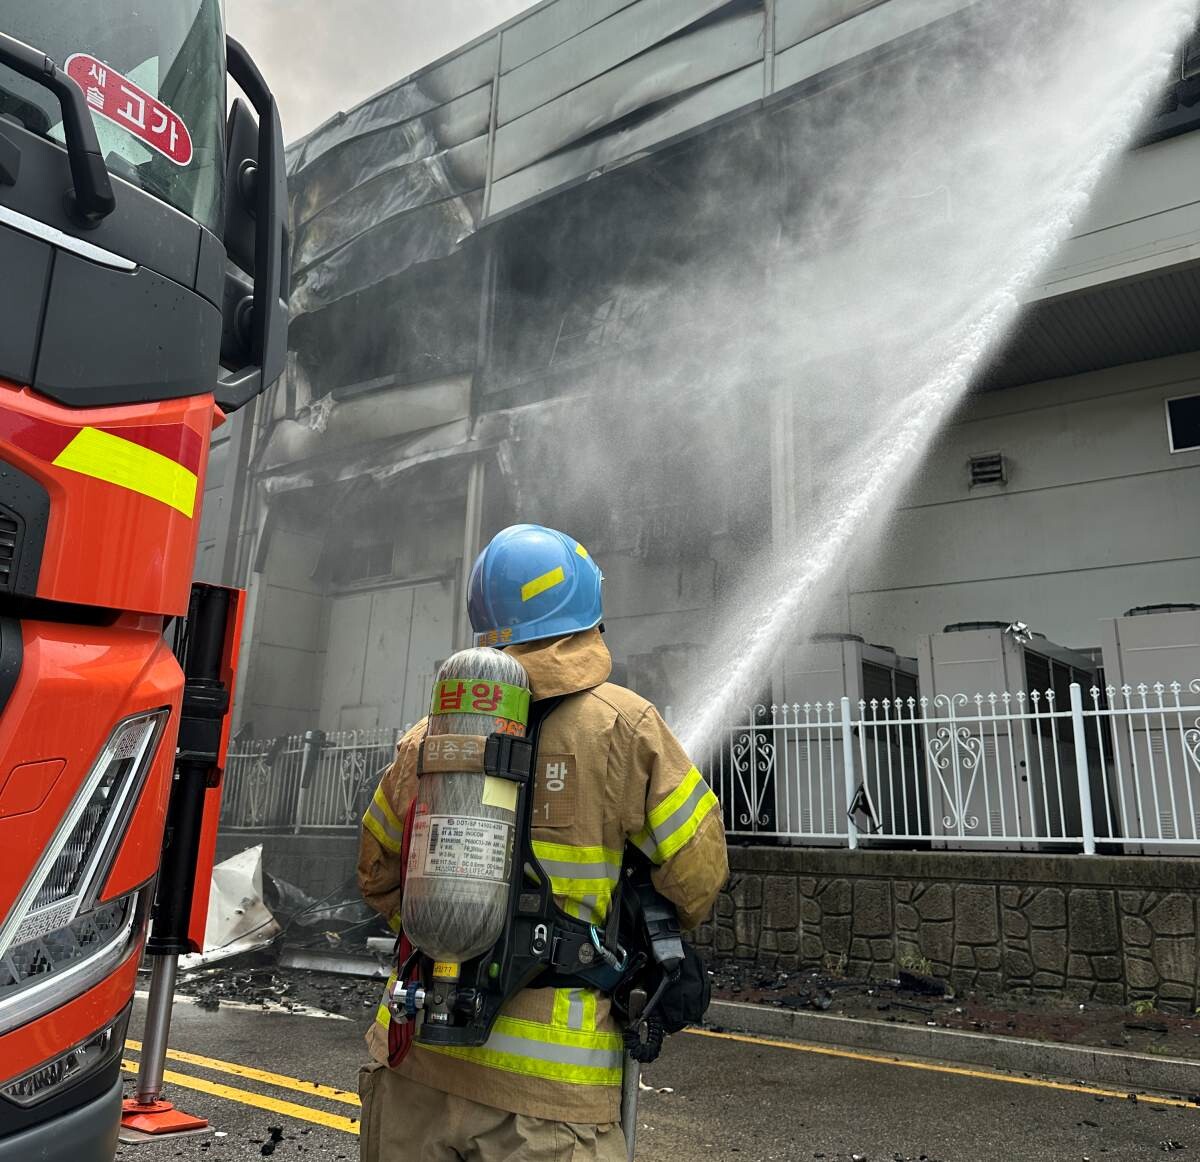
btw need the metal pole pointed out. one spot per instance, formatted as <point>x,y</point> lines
<point>848,763</point>
<point>631,1081</point>
<point>1086,819</point>
<point>158,1028</point>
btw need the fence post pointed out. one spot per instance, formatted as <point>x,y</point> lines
<point>1086,819</point>
<point>314,740</point>
<point>848,763</point>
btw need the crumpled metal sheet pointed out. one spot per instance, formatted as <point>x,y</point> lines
<point>797,20</point>
<point>605,45</point>
<point>238,918</point>
<point>421,235</point>
<point>858,36</point>
<point>399,180</point>
<point>663,72</point>
<point>467,70</point>
<point>351,424</point>
<point>382,463</point>
<point>694,109</point>
<point>315,186</point>
<point>394,192</point>
<point>549,25</point>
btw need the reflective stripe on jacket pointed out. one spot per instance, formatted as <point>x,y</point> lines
<point>609,771</point>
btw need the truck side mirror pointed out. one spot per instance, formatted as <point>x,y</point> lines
<point>254,335</point>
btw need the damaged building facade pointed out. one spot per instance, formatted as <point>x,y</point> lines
<point>490,253</point>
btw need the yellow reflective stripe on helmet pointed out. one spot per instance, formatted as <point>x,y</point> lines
<point>671,823</point>
<point>380,820</point>
<point>383,1014</point>
<point>540,584</point>
<point>581,551</point>
<point>533,1049</point>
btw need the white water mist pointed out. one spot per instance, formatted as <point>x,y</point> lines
<point>1023,144</point>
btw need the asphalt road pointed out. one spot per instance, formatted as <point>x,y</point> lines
<point>723,1098</point>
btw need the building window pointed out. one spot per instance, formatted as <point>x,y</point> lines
<point>1183,423</point>
<point>369,562</point>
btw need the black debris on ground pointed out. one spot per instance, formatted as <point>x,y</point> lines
<point>920,998</point>
<point>270,987</point>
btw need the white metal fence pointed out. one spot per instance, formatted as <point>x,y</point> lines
<point>1118,766</point>
<point>310,781</point>
<point>1067,769</point>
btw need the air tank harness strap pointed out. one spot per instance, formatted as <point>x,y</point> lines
<point>452,754</point>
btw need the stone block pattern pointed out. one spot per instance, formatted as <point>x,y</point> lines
<point>1094,943</point>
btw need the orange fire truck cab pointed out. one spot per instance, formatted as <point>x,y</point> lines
<point>142,297</point>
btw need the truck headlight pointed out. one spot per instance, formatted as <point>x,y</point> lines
<point>55,932</point>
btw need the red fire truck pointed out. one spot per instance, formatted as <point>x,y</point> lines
<point>142,298</point>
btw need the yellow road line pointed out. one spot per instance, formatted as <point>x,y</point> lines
<point>288,1109</point>
<point>930,1067</point>
<point>278,1079</point>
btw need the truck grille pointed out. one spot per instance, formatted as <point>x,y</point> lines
<point>10,544</point>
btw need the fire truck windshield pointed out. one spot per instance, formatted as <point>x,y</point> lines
<point>153,72</point>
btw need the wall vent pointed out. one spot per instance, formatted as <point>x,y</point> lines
<point>988,469</point>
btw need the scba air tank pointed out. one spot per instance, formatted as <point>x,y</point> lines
<point>460,858</point>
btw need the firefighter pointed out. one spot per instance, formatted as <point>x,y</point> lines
<point>546,1085</point>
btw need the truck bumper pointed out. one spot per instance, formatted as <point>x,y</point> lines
<point>87,1133</point>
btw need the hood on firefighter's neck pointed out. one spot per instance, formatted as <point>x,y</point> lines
<point>564,665</point>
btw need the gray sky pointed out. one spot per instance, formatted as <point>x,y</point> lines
<point>320,56</point>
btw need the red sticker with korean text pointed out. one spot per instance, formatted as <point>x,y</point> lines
<point>119,100</point>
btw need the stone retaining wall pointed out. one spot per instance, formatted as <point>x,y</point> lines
<point>1115,929</point>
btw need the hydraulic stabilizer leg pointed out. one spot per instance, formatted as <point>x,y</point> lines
<point>158,1029</point>
<point>202,650</point>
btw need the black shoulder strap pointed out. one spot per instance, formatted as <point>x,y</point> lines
<point>538,713</point>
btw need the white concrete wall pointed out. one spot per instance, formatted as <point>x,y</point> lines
<point>1097,514</point>
<point>284,639</point>
<point>1145,218</point>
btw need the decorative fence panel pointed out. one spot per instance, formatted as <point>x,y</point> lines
<point>314,780</point>
<point>1118,768</point>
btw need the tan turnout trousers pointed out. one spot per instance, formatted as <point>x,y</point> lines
<point>404,1121</point>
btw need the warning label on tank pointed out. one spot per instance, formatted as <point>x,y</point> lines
<point>459,847</point>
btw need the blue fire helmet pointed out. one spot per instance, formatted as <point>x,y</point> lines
<point>531,583</point>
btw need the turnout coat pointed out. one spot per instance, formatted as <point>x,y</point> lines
<point>609,772</point>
